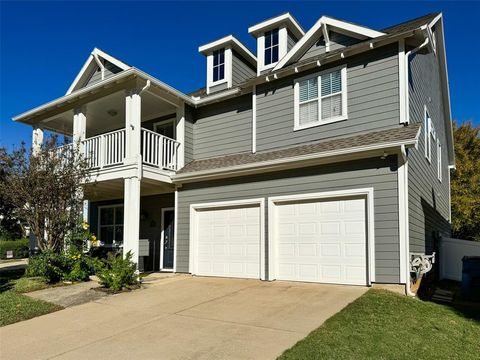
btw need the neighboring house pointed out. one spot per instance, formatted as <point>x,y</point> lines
<point>324,158</point>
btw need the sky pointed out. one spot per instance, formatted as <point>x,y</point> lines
<point>43,45</point>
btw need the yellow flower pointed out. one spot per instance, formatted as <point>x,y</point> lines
<point>85,225</point>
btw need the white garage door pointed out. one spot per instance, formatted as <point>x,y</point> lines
<point>322,241</point>
<point>228,242</point>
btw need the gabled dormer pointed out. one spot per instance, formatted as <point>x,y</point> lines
<point>99,66</point>
<point>229,63</point>
<point>275,37</point>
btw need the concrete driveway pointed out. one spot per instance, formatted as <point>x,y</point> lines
<point>182,317</point>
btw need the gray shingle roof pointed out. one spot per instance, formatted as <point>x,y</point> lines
<point>410,24</point>
<point>404,133</point>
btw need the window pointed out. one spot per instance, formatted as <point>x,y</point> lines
<point>439,161</point>
<point>271,47</point>
<point>218,65</point>
<point>429,135</point>
<point>165,128</point>
<point>320,99</point>
<point>110,226</point>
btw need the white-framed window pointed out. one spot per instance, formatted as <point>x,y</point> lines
<point>218,65</point>
<point>439,161</point>
<point>271,49</point>
<point>165,128</point>
<point>429,135</point>
<point>321,98</point>
<point>110,224</point>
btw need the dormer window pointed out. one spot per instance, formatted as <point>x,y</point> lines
<point>218,65</point>
<point>271,47</point>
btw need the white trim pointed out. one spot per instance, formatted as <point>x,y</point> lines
<point>367,192</point>
<point>439,161</point>
<point>179,129</point>
<point>162,228</point>
<point>108,206</point>
<point>93,57</point>
<point>254,119</point>
<point>296,90</point>
<point>193,246</point>
<point>227,64</point>
<point>402,81</point>
<point>309,38</point>
<point>326,37</point>
<point>403,216</point>
<point>175,231</point>
<point>286,19</point>
<point>228,41</point>
<point>261,166</point>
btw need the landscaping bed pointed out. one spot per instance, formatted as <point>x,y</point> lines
<point>384,325</point>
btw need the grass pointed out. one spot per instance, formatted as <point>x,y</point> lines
<point>17,307</point>
<point>384,325</point>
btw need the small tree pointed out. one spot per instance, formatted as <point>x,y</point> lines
<point>45,189</point>
<point>465,182</point>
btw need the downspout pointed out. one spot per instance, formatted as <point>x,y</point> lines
<point>408,292</point>
<point>145,88</point>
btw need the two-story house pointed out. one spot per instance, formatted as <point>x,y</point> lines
<point>324,157</point>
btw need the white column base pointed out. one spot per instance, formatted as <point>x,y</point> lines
<point>131,217</point>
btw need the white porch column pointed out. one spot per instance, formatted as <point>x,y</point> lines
<point>133,125</point>
<point>79,125</point>
<point>37,139</point>
<point>131,217</point>
<point>180,135</point>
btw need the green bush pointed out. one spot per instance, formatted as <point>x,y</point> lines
<point>118,273</point>
<point>19,248</point>
<point>53,267</point>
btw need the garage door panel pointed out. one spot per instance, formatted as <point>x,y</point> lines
<point>322,241</point>
<point>228,242</point>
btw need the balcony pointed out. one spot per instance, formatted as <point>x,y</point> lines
<point>109,150</point>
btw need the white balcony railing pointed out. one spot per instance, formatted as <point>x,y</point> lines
<point>158,150</point>
<point>105,149</point>
<point>109,150</point>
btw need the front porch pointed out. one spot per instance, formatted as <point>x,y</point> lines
<point>113,221</point>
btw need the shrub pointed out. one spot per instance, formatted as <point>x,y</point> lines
<point>53,267</point>
<point>19,247</point>
<point>118,273</point>
<point>50,265</point>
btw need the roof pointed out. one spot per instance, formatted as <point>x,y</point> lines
<point>411,24</point>
<point>234,43</point>
<point>378,139</point>
<point>270,23</point>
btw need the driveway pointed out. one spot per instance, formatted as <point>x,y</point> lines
<point>181,317</point>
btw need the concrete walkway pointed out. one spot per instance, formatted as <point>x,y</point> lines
<point>181,317</point>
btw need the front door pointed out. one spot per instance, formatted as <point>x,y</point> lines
<point>168,244</point>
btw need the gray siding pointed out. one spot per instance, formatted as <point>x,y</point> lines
<point>188,134</point>
<point>241,69</point>
<point>291,40</point>
<point>428,197</point>
<point>219,87</point>
<point>110,70</point>
<point>337,41</point>
<point>372,96</point>
<point>376,173</point>
<point>223,128</point>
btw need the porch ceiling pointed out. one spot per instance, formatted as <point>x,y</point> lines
<point>114,189</point>
<point>108,113</point>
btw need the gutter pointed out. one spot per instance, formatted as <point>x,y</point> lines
<point>241,169</point>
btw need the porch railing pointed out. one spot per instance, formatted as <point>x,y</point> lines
<point>105,149</point>
<point>109,149</point>
<point>159,151</point>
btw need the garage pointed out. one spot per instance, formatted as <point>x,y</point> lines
<point>321,238</point>
<point>227,239</point>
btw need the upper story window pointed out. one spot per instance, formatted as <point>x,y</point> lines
<point>321,99</point>
<point>439,161</point>
<point>429,135</point>
<point>271,47</point>
<point>218,65</point>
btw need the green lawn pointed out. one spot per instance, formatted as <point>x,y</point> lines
<point>384,325</point>
<point>17,307</point>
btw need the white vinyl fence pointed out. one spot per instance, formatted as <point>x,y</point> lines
<point>451,253</point>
